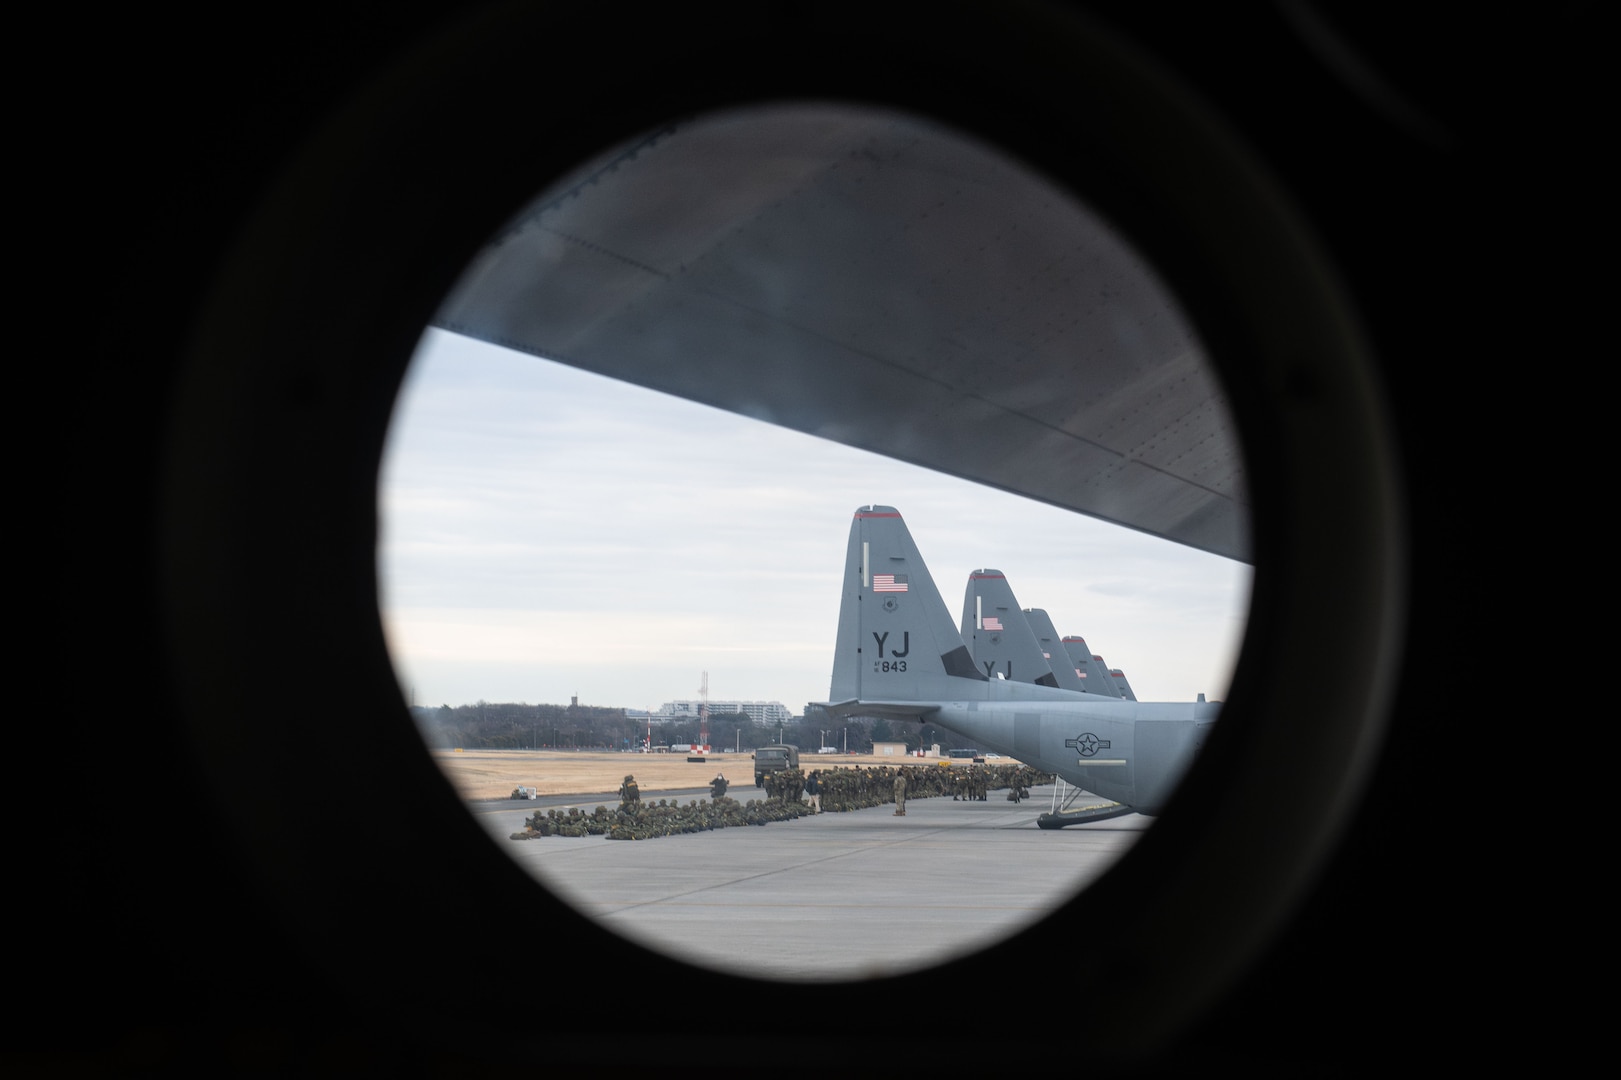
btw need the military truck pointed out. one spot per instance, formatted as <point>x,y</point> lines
<point>770,759</point>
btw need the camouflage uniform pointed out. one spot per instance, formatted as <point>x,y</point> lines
<point>629,794</point>
<point>900,792</point>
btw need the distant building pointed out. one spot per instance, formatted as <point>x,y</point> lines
<point>761,712</point>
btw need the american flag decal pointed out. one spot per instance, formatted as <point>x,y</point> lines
<point>889,583</point>
<point>992,623</point>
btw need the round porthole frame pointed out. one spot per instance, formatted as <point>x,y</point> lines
<point>269,526</point>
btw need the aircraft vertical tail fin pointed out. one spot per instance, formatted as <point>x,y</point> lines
<point>1052,649</point>
<point>1090,668</point>
<point>997,633</point>
<point>896,640</point>
<point>1119,678</point>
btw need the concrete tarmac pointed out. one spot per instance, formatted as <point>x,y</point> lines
<point>862,894</point>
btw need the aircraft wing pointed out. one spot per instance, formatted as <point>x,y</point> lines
<point>825,270</point>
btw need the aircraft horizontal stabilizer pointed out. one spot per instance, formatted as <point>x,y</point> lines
<point>891,710</point>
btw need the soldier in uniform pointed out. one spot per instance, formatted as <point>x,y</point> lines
<point>717,786</point>
<point>629,794</point>
<point>900,792</point>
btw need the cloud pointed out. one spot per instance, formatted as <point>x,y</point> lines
<point>554,530</point>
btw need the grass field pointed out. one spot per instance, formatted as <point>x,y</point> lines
<point>492,774</point>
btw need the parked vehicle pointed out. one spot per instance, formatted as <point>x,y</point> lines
<point>770,759</point>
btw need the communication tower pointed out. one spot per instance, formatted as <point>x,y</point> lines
<point>703,715</point>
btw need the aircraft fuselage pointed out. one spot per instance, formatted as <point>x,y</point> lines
<point>1127,751</point>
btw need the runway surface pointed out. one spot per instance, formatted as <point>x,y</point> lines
<point>862,894</point>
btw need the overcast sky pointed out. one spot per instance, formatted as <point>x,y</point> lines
<point>547,532</point>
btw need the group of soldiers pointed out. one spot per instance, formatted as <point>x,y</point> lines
<point>630,793</point>
<point>841,789</point>
<point>970,785</point>
<point>859,788</point>
<point>637,820</point>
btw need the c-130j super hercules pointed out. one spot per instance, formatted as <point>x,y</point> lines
<point>900,656</point>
